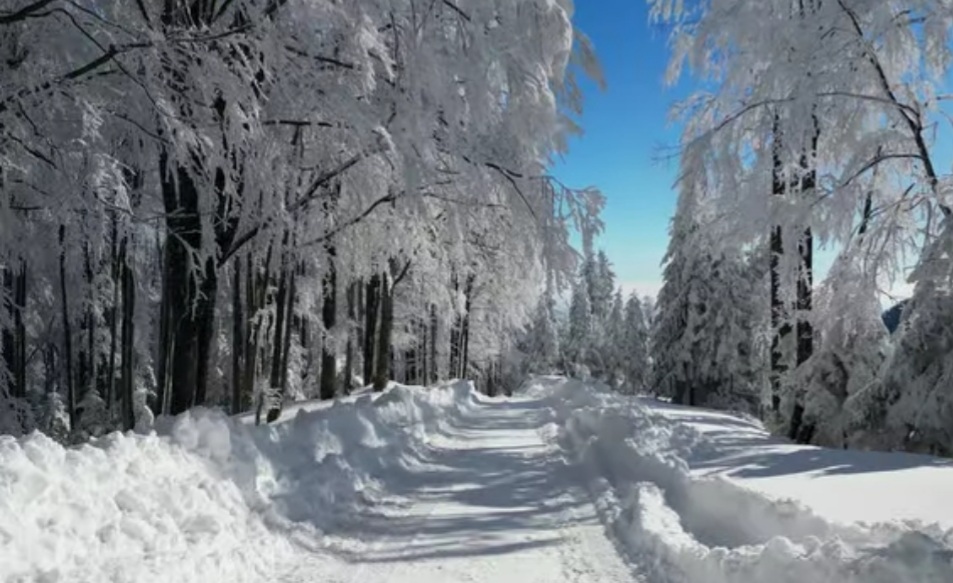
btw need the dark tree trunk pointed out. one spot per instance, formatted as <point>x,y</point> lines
<point>113,315</point>
<point>14,337</point>
<point>329,371</point>
<point>191,287</point>
<point>422,350</point>
<point>465,329</point>
<point>289,321</point>
<point>434,322</point>
<point>7,338</point>
<point>67,338</point>
<point>281,299</point>
<point>85,358</point>
<point>349,351</point>
<point>238,339</point>
<point>191,292</point>
<point>255,297</point>
<point>780,323</point>
<point>127,384</point>
<point>801,431</point>
<point>384,336</point>
<point>372,301</point>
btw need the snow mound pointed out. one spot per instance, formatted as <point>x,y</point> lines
<point>211,498</point>
<point>682,528</point>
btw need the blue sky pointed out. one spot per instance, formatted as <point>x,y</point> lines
<point>627,133</point>
<point>628,142</point>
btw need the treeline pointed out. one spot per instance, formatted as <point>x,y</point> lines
<point>239,203</point>
<point>820,130</point>
<point>601,334</point>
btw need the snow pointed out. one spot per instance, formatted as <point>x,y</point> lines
<point>562,482</point>
<point>695,495</point>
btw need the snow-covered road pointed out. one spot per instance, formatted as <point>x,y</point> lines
<point>489,501</point>
<point>563,483</point>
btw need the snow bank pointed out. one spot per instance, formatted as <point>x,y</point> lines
<point>683,528</point>
<point>210,499</point>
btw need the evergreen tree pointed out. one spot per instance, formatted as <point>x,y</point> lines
<point>614,341</point>
<point>54,420</point>
<point>841,376</point>
<point>93,414</point>
<point>542,340</point>
<point>703,345</point>
<point>636,346</point>
<point>913,407</point>
<point>579,338</point>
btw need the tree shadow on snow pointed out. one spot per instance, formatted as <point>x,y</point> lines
<point>472,501</point>
<point>760,457</point>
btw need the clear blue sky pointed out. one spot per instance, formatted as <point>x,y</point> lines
<point>627,133</point>
<point>629,141</point>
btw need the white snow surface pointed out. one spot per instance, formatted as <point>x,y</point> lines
<point>564,482</point>
<point>700,496</point>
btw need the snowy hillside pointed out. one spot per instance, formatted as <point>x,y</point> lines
<point>562,482</point>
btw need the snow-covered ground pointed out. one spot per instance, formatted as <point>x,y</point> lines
<point>703,496</point>
<point>562,482</point>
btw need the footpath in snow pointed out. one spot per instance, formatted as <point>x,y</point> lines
<point>563,482</point>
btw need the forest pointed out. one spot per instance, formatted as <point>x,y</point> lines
<point>816,125</point>
<point>241,203</point>
<point>244,203</point>
<point>820,125</point>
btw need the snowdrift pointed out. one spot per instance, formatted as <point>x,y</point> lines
<point>209,498</point>
<point>679,527</point>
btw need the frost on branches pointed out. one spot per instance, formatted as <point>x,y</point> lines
<point>703,346</point>
<point>818,129</point>
<point>203,203</point>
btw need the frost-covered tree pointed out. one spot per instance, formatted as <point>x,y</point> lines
<point>846,366</point>
<point>578,342</point>
<point>240,193</point>
<point>542,338</point>
<point>912,408</point>
<point>635,347</point>
<point>828,106</point>
<point>703,348</point>
<point>613,344</point>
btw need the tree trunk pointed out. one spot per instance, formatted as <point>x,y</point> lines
<point>127,384</point>
<point>465,332</point>
<point>434,322</point>
<point>372,299</point>
<point>289,321</point>
<point>67,337</point>
<point>281,299</point>
<point>384,336</point>
<point>349,351</point>
<point>14,336</point>
<point>238,338</point>
<point>113,318</point>
<point>255,297</point>
<point>329,373</point>
<point>800,431</point>
<point>780,323</point>
<point>191,292</point>
<point>422,349</point>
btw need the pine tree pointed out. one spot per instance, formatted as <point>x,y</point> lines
<point>93,414</point>
<point>614,343</point>
<point>578,342</point>
<point>703,347</point>
<point>636,347</point>
<point>542,340</point>
<point>839,378</point>
<point>913,407</point>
